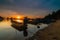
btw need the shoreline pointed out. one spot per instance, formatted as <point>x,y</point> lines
<point>49,33</point>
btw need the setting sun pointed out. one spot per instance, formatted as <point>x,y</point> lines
<point>18,17</point>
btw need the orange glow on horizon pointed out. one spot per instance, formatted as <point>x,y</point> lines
<point>18,17</point>
<point>22,16</point>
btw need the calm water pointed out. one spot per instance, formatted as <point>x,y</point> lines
<point>9,33</point>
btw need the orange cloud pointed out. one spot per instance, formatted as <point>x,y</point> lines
<point>8,13</point>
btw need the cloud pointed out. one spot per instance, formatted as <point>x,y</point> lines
<point>24,12</point>
<point>53,4</point>
<point>7,13</point>
<point>28,7</point>
<point>6,2</point>
<point>10,0</point>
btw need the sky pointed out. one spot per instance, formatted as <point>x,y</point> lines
<point>31,8</point>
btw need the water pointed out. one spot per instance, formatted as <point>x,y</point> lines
<point>9,33</point>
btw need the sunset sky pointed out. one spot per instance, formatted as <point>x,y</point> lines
<point>31,8</point>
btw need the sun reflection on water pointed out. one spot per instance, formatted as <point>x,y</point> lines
<point>20,21</point>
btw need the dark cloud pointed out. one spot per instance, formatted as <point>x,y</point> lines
<point>32,3</point>
<point>30,6</point>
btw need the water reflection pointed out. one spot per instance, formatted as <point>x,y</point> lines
<point>20,21</point>
<point>20,26</point>
<point>7,32</point>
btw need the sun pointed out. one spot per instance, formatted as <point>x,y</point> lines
<point>18,17</point>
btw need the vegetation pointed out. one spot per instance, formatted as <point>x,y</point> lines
<point>1,18</point>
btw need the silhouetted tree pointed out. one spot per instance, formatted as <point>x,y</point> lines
<point>48,16</point>
<point>53,15</point>
<point>47,19</point>
<point>1,18</point>
<point>56,15</point>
